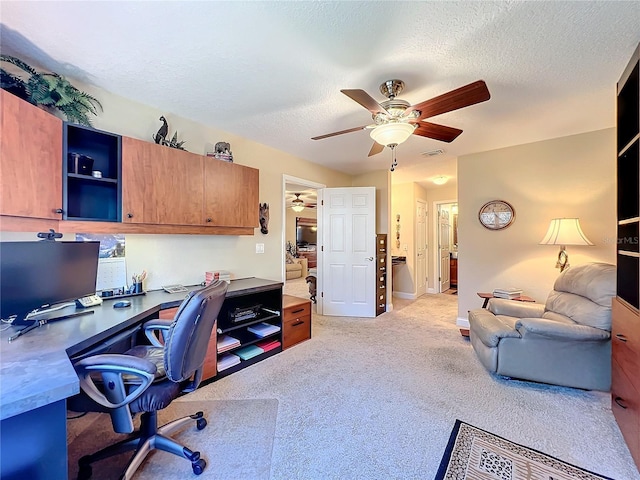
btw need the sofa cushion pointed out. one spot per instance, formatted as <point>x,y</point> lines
<point>579,309</point>
<point>595,281</point>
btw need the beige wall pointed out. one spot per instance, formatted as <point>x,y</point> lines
<point>565,177</point>
<point>185,258</point>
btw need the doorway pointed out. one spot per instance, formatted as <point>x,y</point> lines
<point>300,232</point>
<point>446,255</point>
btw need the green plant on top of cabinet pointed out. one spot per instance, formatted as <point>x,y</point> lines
<point>30,167</point>
<point>92,173</point>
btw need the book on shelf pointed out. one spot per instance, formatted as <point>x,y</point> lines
<point>267,345</point>
<point>263,329</point>
<point>227,360</point>
<point>226,342</point>
<point>250,351</point>
<point>508,293</point>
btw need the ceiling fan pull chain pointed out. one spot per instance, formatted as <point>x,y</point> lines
<point>393,157</point>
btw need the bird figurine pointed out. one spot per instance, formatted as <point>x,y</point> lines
<point>161,136</point>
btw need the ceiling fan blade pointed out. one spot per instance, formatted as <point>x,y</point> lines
<point>376,148</point>
<point>364,99</point>
<point>339,133</point>
<point>437,132</point>
<point>471,94</point>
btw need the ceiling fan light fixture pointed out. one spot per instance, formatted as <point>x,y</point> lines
<point>392,133</point>
<point>440,179</point>
<point>298,205</point>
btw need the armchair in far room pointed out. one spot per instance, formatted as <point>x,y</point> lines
<point>147,378</point>
<point>566,341</point>
<point>296,267</point>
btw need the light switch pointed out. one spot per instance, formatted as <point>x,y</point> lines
<point>259,247</point>
<point>405,247</point>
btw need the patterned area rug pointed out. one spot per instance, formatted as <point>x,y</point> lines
<point>475,454</point>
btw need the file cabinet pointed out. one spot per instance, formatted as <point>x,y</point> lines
<point>381,272</point>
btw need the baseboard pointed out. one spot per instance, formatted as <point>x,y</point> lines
<point>462,322</point>
<point>432,290</point>
<point>389,307</point>
<point>404,295</point>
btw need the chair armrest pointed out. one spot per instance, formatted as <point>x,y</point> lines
<point>563,331</point>
<point>152,327</point>
<point>489,328</point>
<point>111,368</point>
<point>514,308</point>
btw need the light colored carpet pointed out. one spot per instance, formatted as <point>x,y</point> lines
<point>236,443</point>
<point>375,398</point>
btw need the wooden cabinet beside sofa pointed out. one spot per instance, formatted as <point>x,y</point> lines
<point>625,314</point>
<point>164,190</point>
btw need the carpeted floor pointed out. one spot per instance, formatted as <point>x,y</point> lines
<point>236,443</point>
<point>376,398</point>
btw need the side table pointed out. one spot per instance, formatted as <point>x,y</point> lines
<point>296,320</point>
<point>486,296</point>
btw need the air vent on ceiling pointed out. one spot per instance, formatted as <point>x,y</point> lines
<point>433,153</point>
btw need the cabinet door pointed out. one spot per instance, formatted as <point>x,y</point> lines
<point>230,194</point>
<point>160,185</point>
<point>30,160</point>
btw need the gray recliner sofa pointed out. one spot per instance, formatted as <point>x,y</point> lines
<point>566,341</point>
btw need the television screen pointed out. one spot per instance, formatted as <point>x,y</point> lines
<point>40,274</point>
<point>306,235</point>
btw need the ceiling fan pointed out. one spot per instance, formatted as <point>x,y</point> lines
<point>395,120</point>
<point>297,204</point>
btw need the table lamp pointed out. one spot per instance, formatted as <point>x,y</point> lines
<point>564,231</point>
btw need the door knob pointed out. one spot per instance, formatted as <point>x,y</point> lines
<point>370,259</point>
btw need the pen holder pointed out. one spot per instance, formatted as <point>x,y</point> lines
<point>137,288</point>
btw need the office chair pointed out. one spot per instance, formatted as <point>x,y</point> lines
<point>147,378</point>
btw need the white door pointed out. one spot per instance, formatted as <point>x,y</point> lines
<point>421,247</point>
<point>443,244</point>
<point>348,286</point>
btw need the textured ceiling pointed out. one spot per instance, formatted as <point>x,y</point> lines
<point>272,71</point>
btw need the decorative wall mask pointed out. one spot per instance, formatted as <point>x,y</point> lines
<point>264,218</point>
<point>398,230</point>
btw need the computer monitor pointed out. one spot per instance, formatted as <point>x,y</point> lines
<point>40,274</point>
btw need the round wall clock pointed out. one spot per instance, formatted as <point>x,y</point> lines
<point>496,215</point>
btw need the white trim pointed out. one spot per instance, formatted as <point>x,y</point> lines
<point>435,252</point>
<point>406,296</point>
<point>462,322</point>
<point>431,291</point>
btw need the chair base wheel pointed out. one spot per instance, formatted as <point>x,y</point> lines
<point>199,466</point>
<point>201,423</point>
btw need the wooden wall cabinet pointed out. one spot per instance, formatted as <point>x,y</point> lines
<point>230,194</point>
<point>30,160</point>
<point>625,314</point>
<point>161,185</point>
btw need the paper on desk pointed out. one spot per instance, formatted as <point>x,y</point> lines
<point>112,273</point>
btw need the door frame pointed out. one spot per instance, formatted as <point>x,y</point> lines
<point>435,254</point>
<point>306,183</point>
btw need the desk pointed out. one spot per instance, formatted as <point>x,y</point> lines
<point>36,378</point>
<point>487,296</point>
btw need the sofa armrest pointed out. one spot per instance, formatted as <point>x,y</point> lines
<point>563,331</point>
<point>489,328</point>
<point>514,308</point>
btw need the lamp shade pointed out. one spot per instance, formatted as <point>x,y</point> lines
<point>565,231</point>
<point>392,133</point>
<point>297,208</point>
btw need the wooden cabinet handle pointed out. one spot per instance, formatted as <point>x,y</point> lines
<point>59,210</point>
<point>618,400</point>
<point>621,337</point>
<point>208,220</point>
<point>129,215</point>
<point>298,311</point>
<point>298,322</point>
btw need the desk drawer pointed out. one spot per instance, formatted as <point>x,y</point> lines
<point>296,330</point>
<point>295,311</point>
<point>625,404</point>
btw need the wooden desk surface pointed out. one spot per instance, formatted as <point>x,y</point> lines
<point>35,369</point>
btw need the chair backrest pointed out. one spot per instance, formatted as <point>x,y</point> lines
<point>584,293</point>
<point>188,338</point>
